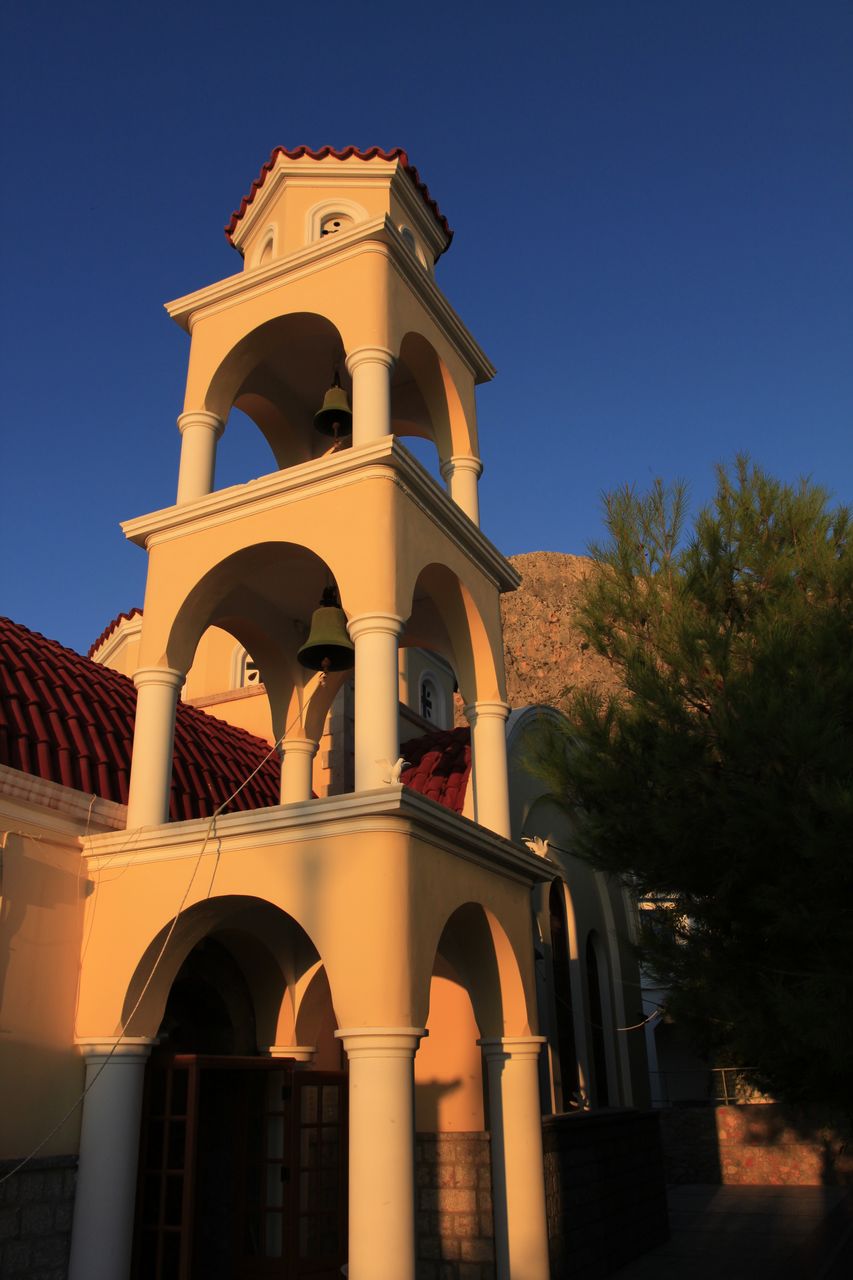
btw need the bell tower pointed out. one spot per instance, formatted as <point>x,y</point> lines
<point>371,919</point>
<point>336,300</point>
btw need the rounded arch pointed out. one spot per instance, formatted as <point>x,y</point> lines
<point>445,617</point>
<point>599,1011</point>
<point>321,217</point>
<point>264,596</point>
<point>562,938</point>
<point>277,374</point>
<point>478,950</point>
<point>209,1008</point>
<point>425,401</point>
<point>265,247</point>
<point>316,1020</point>
<point>269,947</point>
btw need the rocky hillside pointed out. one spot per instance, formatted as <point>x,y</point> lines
<point>545,653</point>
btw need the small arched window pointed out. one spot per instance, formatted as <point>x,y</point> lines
<point>333,223</point>
<point>245,672</point>
<point>432,703</point>
<point>408,236</point>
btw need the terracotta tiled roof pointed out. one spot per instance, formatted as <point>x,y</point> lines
<point>111,627</point>
<point>439,766</point>
<point>70,721</point>
<point>295,153</point>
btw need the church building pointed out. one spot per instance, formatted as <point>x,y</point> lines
<point>294,956</point>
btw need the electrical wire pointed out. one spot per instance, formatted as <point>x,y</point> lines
<point>120,1039</point>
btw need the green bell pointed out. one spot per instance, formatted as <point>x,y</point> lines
<point>335,416</point>
<point>328,647</point>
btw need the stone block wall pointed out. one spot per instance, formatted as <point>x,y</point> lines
<point>35,1218</point>
<point>755,1144</point>
<point>605,1190</point>
<point>454,1225</point>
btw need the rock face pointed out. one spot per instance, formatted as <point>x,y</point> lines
<point>546,656</point>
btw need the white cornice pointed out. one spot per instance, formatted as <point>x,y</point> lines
<point>55,808</point>
<point>387,175</point>
<point>385,459</point>
<point>126,630</point>
<point>392,809</point>
<point>293,173</point>
<point>379,235</point>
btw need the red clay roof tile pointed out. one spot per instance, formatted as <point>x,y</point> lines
<point>295,153</point>
<point>70,721</point>
<point>439,766</point>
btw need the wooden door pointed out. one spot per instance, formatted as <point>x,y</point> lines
<point>242,1171</point>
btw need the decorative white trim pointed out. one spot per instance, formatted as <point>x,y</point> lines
<point>201,418</point>
<point>68,811</point>
<point>386,458</point>
<point>168,676</point>
<point>126,630</point>
<point>317,214</point>
<point>387,623</point>
<point>379,235</point>
<point>370,355</point>
<point>267,239</point>
<point>381,1042</point>
<point>391,808</point>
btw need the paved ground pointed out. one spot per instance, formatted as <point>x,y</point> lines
<point>753,1233</point>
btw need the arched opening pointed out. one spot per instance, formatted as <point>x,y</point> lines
<point>243,453</point>
<point>566,1046</point>
<point>209,1008</point>
<point>475,993</point>
<point>262,597</point>
<point>426,407</point>
<point>277,375</point>
<point>242,1153</point>
<point>598,1012</point>
<point>445,620</point>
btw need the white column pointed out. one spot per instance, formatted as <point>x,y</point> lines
<point>489,767</point>
<point>153,737</point>
<point>381,1151</point>
<point>377,700</point>
<point>200,431</point>
<point>371,393</point>
<point>105,1199</point>
<point>518,1176</point>
<point>461,474</point>
<point>296,769</point>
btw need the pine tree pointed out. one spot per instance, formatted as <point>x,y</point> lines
<point>719,781</point>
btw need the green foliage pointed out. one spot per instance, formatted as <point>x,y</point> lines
<point>720,781</point>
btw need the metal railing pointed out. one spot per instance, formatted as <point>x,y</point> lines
<point>715,1086</point>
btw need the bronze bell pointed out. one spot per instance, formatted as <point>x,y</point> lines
<point>335,416</point>
<point>328,647</point>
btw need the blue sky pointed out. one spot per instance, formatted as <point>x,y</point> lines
<point>652,201</point>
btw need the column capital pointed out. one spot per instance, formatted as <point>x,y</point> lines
<point>370,355</point>
<point>201,418</point>
<point>299,746</point>
<point>127,1050</point>
<point>297,1052</point>
<point>386,623</point>
<point>514,1047</point>
<point>483,710</point>
<point>169,676</point>
<point>381,1042</point>
<point>461,462</point>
